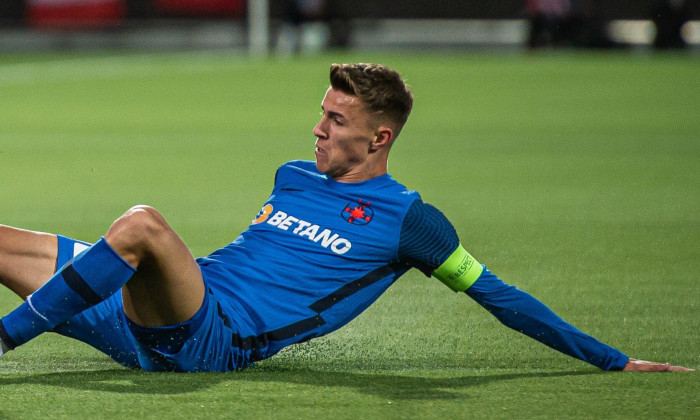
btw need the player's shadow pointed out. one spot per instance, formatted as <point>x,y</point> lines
<point>405,387</point>
<point>391,386</point>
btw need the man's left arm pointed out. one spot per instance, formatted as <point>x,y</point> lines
<point>522,312</point>
<point>513,307</point>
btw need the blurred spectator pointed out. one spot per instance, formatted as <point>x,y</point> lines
<point>546,20</point>
<point>669,16</point>
<point>311,25</point>
<point>199,8</point>
<point>567,23</point>
<point>586,28</point>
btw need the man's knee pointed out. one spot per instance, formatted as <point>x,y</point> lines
<point>137,230</point>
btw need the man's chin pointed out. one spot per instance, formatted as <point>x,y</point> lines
<point>321,166</point>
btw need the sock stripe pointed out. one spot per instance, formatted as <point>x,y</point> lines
<point>31,306</point>
<point>76,282</point>
<point>5,337</point>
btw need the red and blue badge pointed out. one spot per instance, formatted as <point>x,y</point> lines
<point>359,213</point>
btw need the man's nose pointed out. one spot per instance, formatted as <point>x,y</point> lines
<point>319,130</point>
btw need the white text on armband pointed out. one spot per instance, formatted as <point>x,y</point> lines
<point>325,237</point>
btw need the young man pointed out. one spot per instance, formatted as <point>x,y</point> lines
<point>332,237</point>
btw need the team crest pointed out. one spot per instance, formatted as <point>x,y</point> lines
<point>359,213</point>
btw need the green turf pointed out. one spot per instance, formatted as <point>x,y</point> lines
<point>574,176</point>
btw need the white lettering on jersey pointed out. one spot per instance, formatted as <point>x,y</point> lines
<point>306,229</point>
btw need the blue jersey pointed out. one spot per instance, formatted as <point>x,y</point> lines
<point>318,254</point>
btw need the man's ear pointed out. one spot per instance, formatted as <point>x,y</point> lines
<point>383,137</point>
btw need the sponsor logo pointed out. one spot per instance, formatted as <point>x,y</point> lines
<point>283,221</point>
<point>263,214</point>
<point>359,213</point>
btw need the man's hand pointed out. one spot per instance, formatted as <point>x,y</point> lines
<point>635,365</point>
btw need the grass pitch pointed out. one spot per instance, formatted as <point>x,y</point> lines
<point>573,176</point>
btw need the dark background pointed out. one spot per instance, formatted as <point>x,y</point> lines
<point>14,11</point>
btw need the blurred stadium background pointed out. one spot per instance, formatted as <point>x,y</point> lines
<point>304,26</point>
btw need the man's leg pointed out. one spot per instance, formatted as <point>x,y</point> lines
<point>27,259</point>
<point>165,285</point>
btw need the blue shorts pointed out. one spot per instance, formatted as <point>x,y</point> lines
<point>201,344</point>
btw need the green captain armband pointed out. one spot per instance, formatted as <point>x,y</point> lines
<point>459,271</point>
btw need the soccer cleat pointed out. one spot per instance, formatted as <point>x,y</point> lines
<point>6,342</point>
<point>3,348</point>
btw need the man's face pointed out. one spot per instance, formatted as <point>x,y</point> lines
<point>343,137</point>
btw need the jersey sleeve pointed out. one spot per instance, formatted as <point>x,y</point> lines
<point>427,238</point>
<point>522,312</point>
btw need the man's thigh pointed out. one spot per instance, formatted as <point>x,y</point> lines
<point>27,259</point>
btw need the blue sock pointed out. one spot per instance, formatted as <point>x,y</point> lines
<point>89,279</point>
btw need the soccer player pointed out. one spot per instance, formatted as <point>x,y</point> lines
<point>332,237</point>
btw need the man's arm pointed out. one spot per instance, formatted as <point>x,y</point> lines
<point>520,311</point>
<point>425,248</point>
